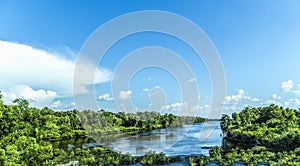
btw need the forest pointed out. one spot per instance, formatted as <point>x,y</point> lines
<point>103,122</point>
<point>29,136</point>
<point>264,135</point>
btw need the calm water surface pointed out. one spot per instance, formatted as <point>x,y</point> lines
<point>186,140</point>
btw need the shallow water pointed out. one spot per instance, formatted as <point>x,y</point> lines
<point>186,140</point>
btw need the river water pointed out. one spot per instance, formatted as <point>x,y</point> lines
<point>183,141</point>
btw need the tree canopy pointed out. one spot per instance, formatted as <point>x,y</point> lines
<point>269,135</point>
<point>29,136</point>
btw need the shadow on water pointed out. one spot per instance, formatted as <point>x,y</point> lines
<point>72,143</point>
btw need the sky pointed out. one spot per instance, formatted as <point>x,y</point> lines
<point>257,42</point>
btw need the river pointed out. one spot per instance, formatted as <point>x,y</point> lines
<point>182,141</point>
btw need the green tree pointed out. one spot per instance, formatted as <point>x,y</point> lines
<point>22,103</point>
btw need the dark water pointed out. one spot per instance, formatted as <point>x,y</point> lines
<point>184,141</point>
<point>72,143</point>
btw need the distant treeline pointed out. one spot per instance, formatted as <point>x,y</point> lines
<point>104,122</point>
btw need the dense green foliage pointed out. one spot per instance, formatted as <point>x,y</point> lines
<point>31,136</point>
<point>103,122</point>
<point>268,135</point>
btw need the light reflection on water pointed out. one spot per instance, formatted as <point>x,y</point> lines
<point>172,141</point>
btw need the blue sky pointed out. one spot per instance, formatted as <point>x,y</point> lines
<point>258,42</point>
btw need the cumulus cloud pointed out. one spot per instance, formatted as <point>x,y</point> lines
<point>87,75</point>
<point>297,91</point>
<point>233,107</point>
<point>275,96</point>
<point>290,86</point>
<point>236,98</point>
<point>59,105</point>
<point>37,98</point>
<point>287,86</point>
<point>106,97</point>
<point>146,90</point>
<point>182,109</point>
<point>294,103</point>
<point>269,102</point>
<point>124,95</point>
<point>172,106</point>
<point>39,68</point>
<point>255,99</point>
<point>238,101</point>
<point>288,98</point>
<point>56,104</point>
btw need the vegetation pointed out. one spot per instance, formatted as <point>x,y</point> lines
<point>103,122</point>
<point>269,135</point>
<point>29,136</point>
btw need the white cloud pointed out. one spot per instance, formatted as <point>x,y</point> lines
<point>172,106</point>
<point>297,91</point>
<point>296,102</point>
<point>146,90</point>
<point>38,68</point>
<point>156,87</point>
<point>275,96</point>
<point>37,98</point>
<point>56,104</point>
<point>293,103</point>
<point>155,91</point>
<point>106,97</point>
<point>233,107</point>
<point>241,92</point>
<point>88,76</point>
<point>151,89</point>
<point>191,80</point>
<point>255,99</point>
<point>287,86</point>
<point>124,95</point>
<point>288,98</point>
<point>236,98</point>
<point>269,102</point>
<point>238,101</point>
<point>290,86</point>
<point>182,109</point>
<point>59,105</point>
